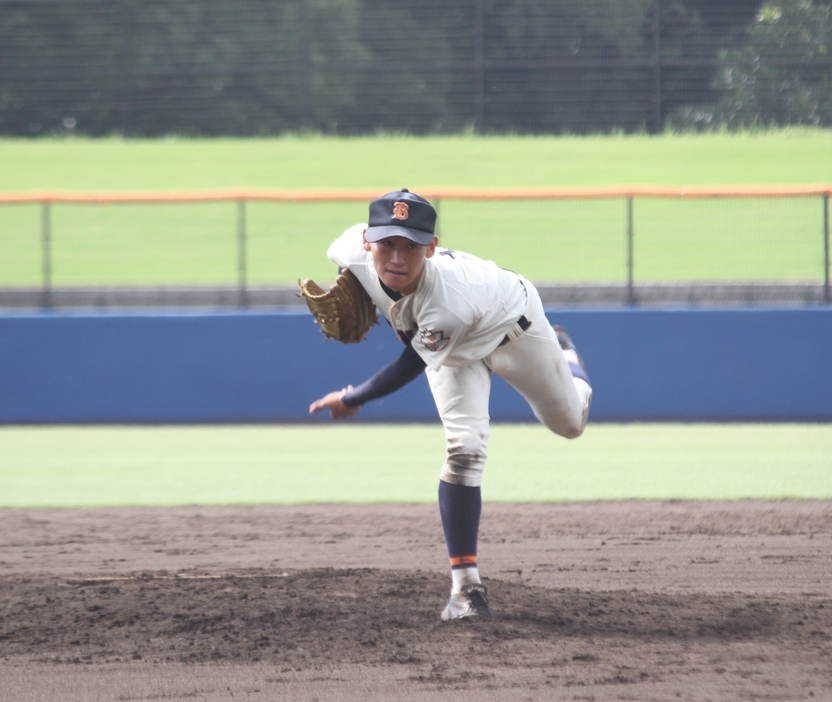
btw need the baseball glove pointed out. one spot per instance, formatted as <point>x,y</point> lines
<point>345,312</point>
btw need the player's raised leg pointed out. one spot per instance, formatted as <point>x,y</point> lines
<point>536,365</point>
<point>570,353</point>
<point>580,377</point>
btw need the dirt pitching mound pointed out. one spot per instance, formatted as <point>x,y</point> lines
<point>627,601</point>
<point>370,617</point>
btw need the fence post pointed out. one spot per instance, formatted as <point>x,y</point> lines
<point>826,292</point>
<point>45,254</point>
<point>127,68</point>
<point>241,252</point>
<point>657,64</point>
<point>305,102</point>
<point>631,296</point>
<point>479,65</point>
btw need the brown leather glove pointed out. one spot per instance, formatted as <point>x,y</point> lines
<point>345,312</point>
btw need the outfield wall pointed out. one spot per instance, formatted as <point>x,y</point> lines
<point>645,364</point>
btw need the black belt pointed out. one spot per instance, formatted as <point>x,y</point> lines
<point>523,323</point>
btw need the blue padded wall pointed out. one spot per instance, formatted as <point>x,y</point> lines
<point>766,364</point>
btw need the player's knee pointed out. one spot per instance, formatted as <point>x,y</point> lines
<point>567,427</point>
<point>576,425</point>
<point>463,469</point>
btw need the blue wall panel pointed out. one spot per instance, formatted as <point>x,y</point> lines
<point>707,364</point>
<point>250,366</point>
<point>179,368</point>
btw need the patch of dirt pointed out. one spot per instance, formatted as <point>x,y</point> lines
<point>596,601</point>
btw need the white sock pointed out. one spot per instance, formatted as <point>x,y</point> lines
<point>571,356</point>
<point>584,391</point>
<point>464,576</point>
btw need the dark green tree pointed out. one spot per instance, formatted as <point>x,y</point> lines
<point>783,74</point>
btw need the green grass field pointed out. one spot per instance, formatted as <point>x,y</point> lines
<point>98,466</point>
<point>788,157</point>
<point>547,241</point>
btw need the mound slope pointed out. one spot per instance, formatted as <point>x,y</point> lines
<point>606,601</point>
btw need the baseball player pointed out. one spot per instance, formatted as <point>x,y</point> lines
<point>460,319</point>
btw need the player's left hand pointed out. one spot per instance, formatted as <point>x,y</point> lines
<point>335,405</point>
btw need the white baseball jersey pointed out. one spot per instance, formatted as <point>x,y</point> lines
<point>459,313</point>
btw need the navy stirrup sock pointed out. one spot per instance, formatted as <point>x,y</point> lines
<point>579,372</point>
<point>460,507</point>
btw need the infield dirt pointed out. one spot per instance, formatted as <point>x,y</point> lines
<point>591,601</point>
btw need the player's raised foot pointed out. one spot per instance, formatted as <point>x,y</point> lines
<point>569,350</point>
<point>471,602</point>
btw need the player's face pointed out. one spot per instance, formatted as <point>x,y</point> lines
<point>399,262</point>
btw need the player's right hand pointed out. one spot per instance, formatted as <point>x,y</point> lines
<point>335,405</point>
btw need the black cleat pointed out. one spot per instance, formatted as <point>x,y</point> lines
<point>567,345</point>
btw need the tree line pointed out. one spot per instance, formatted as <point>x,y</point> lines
<point>263,67</point>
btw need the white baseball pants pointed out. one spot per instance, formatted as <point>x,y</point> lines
<point>533,363</point>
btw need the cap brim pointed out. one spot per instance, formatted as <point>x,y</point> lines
<point>374,234</point>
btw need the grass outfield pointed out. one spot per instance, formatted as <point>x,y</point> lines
<point>777,158</point>
<point>566,241</point>
<point>101,466</point>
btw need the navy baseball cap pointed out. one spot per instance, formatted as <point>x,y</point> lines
<point>401,213</point>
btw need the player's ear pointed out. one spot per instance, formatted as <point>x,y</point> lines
<point>432,247</point>
<point>364,239</point>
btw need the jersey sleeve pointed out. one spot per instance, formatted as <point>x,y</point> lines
<point>348,250</point>
<point>404,369</point>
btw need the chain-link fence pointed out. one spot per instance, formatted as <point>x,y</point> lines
<point>745,245</point>
<point>261,67</point>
